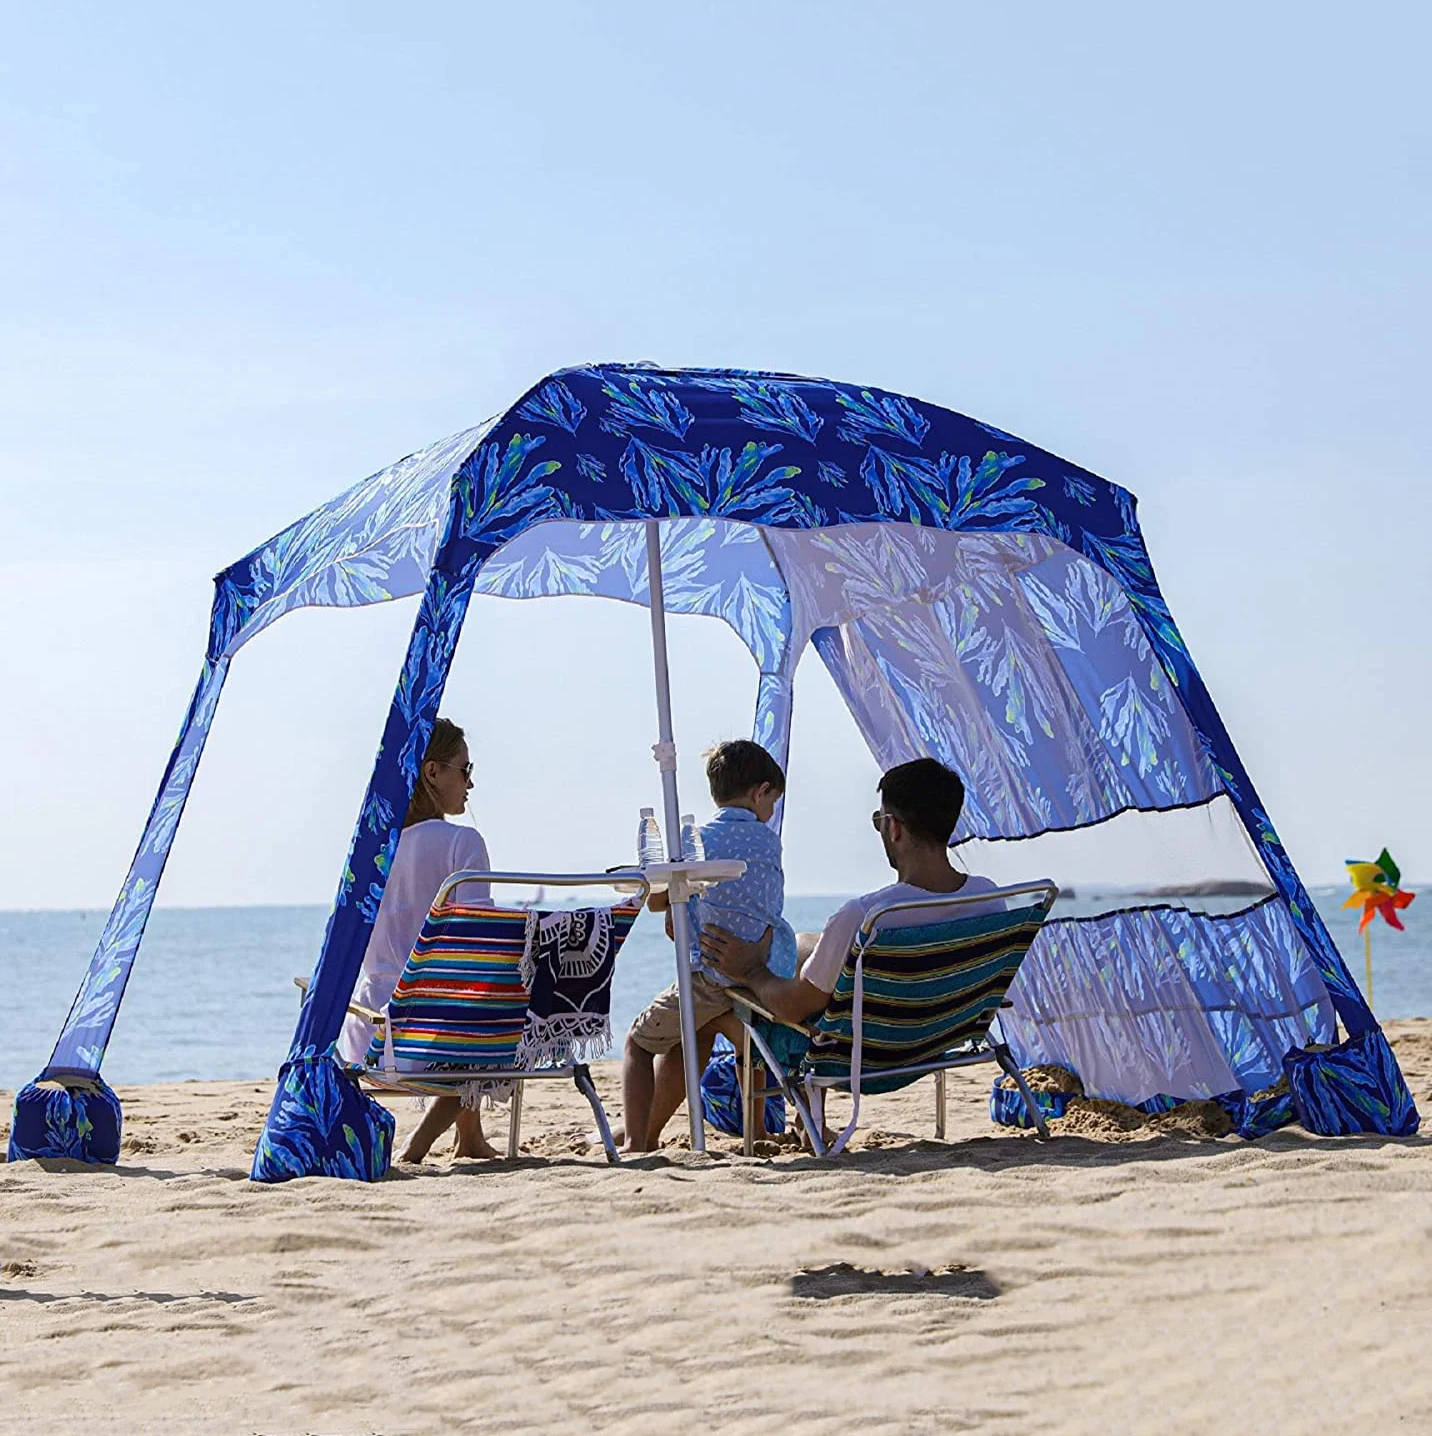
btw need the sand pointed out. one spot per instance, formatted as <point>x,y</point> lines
<point>1130,1280</point>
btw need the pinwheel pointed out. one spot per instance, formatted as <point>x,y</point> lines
<point>1376,888</point>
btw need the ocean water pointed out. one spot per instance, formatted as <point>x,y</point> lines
<point>212,994</point>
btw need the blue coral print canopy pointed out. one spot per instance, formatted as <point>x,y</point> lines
<point>974,598</point>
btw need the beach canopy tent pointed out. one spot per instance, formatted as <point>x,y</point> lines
<point>973,597</point>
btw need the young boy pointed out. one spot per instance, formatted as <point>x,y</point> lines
<point>746,784</point>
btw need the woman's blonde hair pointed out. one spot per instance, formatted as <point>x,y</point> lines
<point>443,747</point>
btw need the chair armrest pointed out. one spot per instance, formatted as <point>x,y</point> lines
<point>356,1008</point>
<point>747,999</point>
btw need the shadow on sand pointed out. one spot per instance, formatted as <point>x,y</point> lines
<point>841,1279</point>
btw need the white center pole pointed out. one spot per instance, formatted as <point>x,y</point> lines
<point>665,751</point>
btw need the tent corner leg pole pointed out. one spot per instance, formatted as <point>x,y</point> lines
<point>666,759</point>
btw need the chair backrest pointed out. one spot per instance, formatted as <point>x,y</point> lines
<point>461,1000</point>
<point>926,990</point>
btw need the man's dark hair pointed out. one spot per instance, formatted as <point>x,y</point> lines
<point>734,768</point>
<point>926,796</point>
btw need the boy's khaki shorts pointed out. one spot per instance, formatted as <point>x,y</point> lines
<point>658,1028</point>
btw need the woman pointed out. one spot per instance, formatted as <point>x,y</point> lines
<point>429,851</point>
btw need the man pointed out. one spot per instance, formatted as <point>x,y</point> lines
<point>920,804</point>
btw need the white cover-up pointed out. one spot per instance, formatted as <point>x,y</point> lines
<point>427,854</point>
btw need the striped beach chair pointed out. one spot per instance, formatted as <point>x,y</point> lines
<point>919,993</point>
<point>463,1017</point>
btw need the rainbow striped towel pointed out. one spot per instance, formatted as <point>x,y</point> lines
<point>460,1001</point>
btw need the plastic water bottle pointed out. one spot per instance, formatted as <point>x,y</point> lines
<point>648,839</point>
<point>692,847</point>
<point>693,850</point>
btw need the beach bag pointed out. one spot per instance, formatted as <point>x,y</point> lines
<point>721,1094</point>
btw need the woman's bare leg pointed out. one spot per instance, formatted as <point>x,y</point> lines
<point>470,1139</point>
<point>441,1114</point>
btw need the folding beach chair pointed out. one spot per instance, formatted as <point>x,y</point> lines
<point>480,1007</point>
<point>911,1000</point>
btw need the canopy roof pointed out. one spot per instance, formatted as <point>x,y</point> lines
<point>613,442</point>
<point>975,598</point>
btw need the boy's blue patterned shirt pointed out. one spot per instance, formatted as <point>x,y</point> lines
<point>748,905</point>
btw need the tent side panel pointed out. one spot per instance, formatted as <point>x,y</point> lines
<point>81,1124</point>
<point>1165,1002</point>
<point>82,1042</point>
<point>1137,580</point>
<point>771,727</point>
<point>1372,1087</point>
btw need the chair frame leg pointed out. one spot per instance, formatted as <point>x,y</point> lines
<point>1005,1058</point>
<point>939,1106</point>
<point>815,1126</point>
<point>582,1076</point>
<point>790,1090</point>
<point>748,1100</point>
<point>514,1122</point>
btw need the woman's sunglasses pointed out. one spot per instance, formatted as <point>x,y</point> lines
<point>464,768</point>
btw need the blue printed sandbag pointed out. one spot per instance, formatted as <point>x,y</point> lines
<point>721,1094</point>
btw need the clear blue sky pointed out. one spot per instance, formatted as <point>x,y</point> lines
<point>248,256</point>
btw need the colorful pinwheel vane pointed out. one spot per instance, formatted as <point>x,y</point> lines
<point>1376,888</point>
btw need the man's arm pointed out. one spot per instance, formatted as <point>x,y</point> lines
<point>792,999</point>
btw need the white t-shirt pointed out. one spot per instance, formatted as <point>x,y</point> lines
<point>427,853</point>
<point>822,968</point>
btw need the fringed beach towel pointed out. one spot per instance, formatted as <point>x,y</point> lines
<point>567,965</point>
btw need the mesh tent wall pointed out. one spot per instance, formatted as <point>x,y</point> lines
<point>974,598</point>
